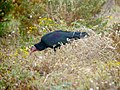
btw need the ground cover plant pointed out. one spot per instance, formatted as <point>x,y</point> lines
<point>91,63</point>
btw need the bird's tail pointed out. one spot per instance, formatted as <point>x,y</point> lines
<point>84,34</point>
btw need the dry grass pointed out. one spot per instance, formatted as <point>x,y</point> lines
<point>91,63</point>
<point>85,64</point>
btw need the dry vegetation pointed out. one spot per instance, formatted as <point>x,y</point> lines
<point>85,64</point>
<point>91,63</point>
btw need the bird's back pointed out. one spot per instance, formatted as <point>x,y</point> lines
<point>55,37</point>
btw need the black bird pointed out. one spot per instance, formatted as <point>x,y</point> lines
<point>55,39</point>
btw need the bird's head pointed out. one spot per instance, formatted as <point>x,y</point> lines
<point>33,49</point>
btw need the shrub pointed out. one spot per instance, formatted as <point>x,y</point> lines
<point>71,10</point>
<point>6,7</point>
<point>65,10</point>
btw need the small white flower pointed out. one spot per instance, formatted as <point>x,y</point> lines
<point>40,57</point>
<point>28,32</point>
<point>91,89</point>
<point>91,80</point>
<point>111,83</point>
<point>43,28</point>
<point>97,88</point>
<point>30,16</point>
<point>26,27</point>
<point>13,32</point>
<point>66,64</point>
<point>102,82</point>
<point>16,84</point>
<point>9,35</point>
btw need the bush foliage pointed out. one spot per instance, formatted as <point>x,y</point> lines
<point>29,12</point>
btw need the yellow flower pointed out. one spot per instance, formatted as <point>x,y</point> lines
<point>25,51</point>
<point>27,48</point>
<point>34,27</point>
<point>28,32</point>
<point>45,19</point>
<point>49,19</point>
<point>16,53</point>
<point>30,27</point>
<point>110,17</point>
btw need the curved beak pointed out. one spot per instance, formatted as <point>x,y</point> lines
<point>30,53</point>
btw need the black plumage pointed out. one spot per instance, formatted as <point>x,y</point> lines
<point>54,39</point>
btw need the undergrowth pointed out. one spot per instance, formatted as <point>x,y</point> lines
<point>91,63</point>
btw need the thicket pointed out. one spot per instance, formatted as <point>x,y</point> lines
<point>86,64</point>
